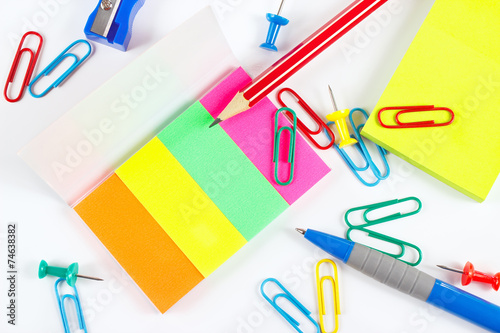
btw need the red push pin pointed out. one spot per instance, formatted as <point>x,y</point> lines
<point>469,275</point>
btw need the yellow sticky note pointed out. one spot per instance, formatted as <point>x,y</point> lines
<point>454,62</point>
<point>180,207</point>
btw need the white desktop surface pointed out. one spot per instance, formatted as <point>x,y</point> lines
<point>451,228</point>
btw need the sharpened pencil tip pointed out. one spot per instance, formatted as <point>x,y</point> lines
<point>302,231</point>
<point>216,121</point>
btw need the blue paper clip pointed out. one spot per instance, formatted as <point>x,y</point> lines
<point>65,54</point>
<point>62,310</point>
<point>291,150</point>
<point>286,294</point>
<point>350,163</point>
<point>382,151</point>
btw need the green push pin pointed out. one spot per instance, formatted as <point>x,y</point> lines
<point>70,273</point>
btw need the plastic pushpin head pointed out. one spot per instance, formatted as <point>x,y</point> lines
<point>42,269</point>
<point>470,274</point>
<point>70,273</point>
<point>339,118</point>
<point>275,23</point>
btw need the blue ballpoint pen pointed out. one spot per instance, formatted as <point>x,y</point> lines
<point>408,279</point>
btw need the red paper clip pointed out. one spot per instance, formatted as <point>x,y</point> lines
<point>15,64</point>
<point>306,131</point>
<point>418,108</point>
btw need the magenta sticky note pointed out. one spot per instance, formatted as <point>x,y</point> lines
<point>253,132</point>
<point>220,96</point>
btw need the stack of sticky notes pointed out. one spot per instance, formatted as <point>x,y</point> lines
<point>454,62</point>
<point>193,195</point>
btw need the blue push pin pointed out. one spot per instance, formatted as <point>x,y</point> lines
<point>276,21</point>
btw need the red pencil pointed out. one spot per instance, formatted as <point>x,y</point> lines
<point>294,60</point>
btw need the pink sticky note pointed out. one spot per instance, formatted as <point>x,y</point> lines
<point>253,132</point>
<point>219,97</point>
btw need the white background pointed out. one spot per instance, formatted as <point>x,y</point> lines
<point>451,228</point>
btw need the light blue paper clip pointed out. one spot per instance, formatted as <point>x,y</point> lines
<point>382,151</point>
<point>62,309</point>
<point>286,294</point>
<point>350,163</point>
<point>55,63</point>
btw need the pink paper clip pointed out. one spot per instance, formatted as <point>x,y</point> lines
<point>15,64</point>
<point>306,131</point>
<point>415,124</point>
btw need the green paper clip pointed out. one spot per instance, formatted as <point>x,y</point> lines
<point>368,223</point>
<point>291,148</point>
<point>398,242</point>
<point>372,207</point>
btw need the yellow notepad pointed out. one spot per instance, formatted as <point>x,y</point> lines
<point>454,61</point>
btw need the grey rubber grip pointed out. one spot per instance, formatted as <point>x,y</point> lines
<point>391,272</point>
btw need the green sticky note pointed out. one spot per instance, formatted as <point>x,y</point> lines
<point>454,62</point>
<point>223,171</point>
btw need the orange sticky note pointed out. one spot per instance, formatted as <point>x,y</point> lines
<point>180,207</point>
<point>138,243</point>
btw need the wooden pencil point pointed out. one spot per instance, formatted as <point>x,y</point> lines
<point>215,122</point>
<point>237,105</point>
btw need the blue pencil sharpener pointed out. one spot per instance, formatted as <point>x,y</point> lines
<point>111,22</point>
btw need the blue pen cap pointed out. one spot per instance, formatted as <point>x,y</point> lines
<point>338,247</point>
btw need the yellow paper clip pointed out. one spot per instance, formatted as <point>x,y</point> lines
<point>321,295</point>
